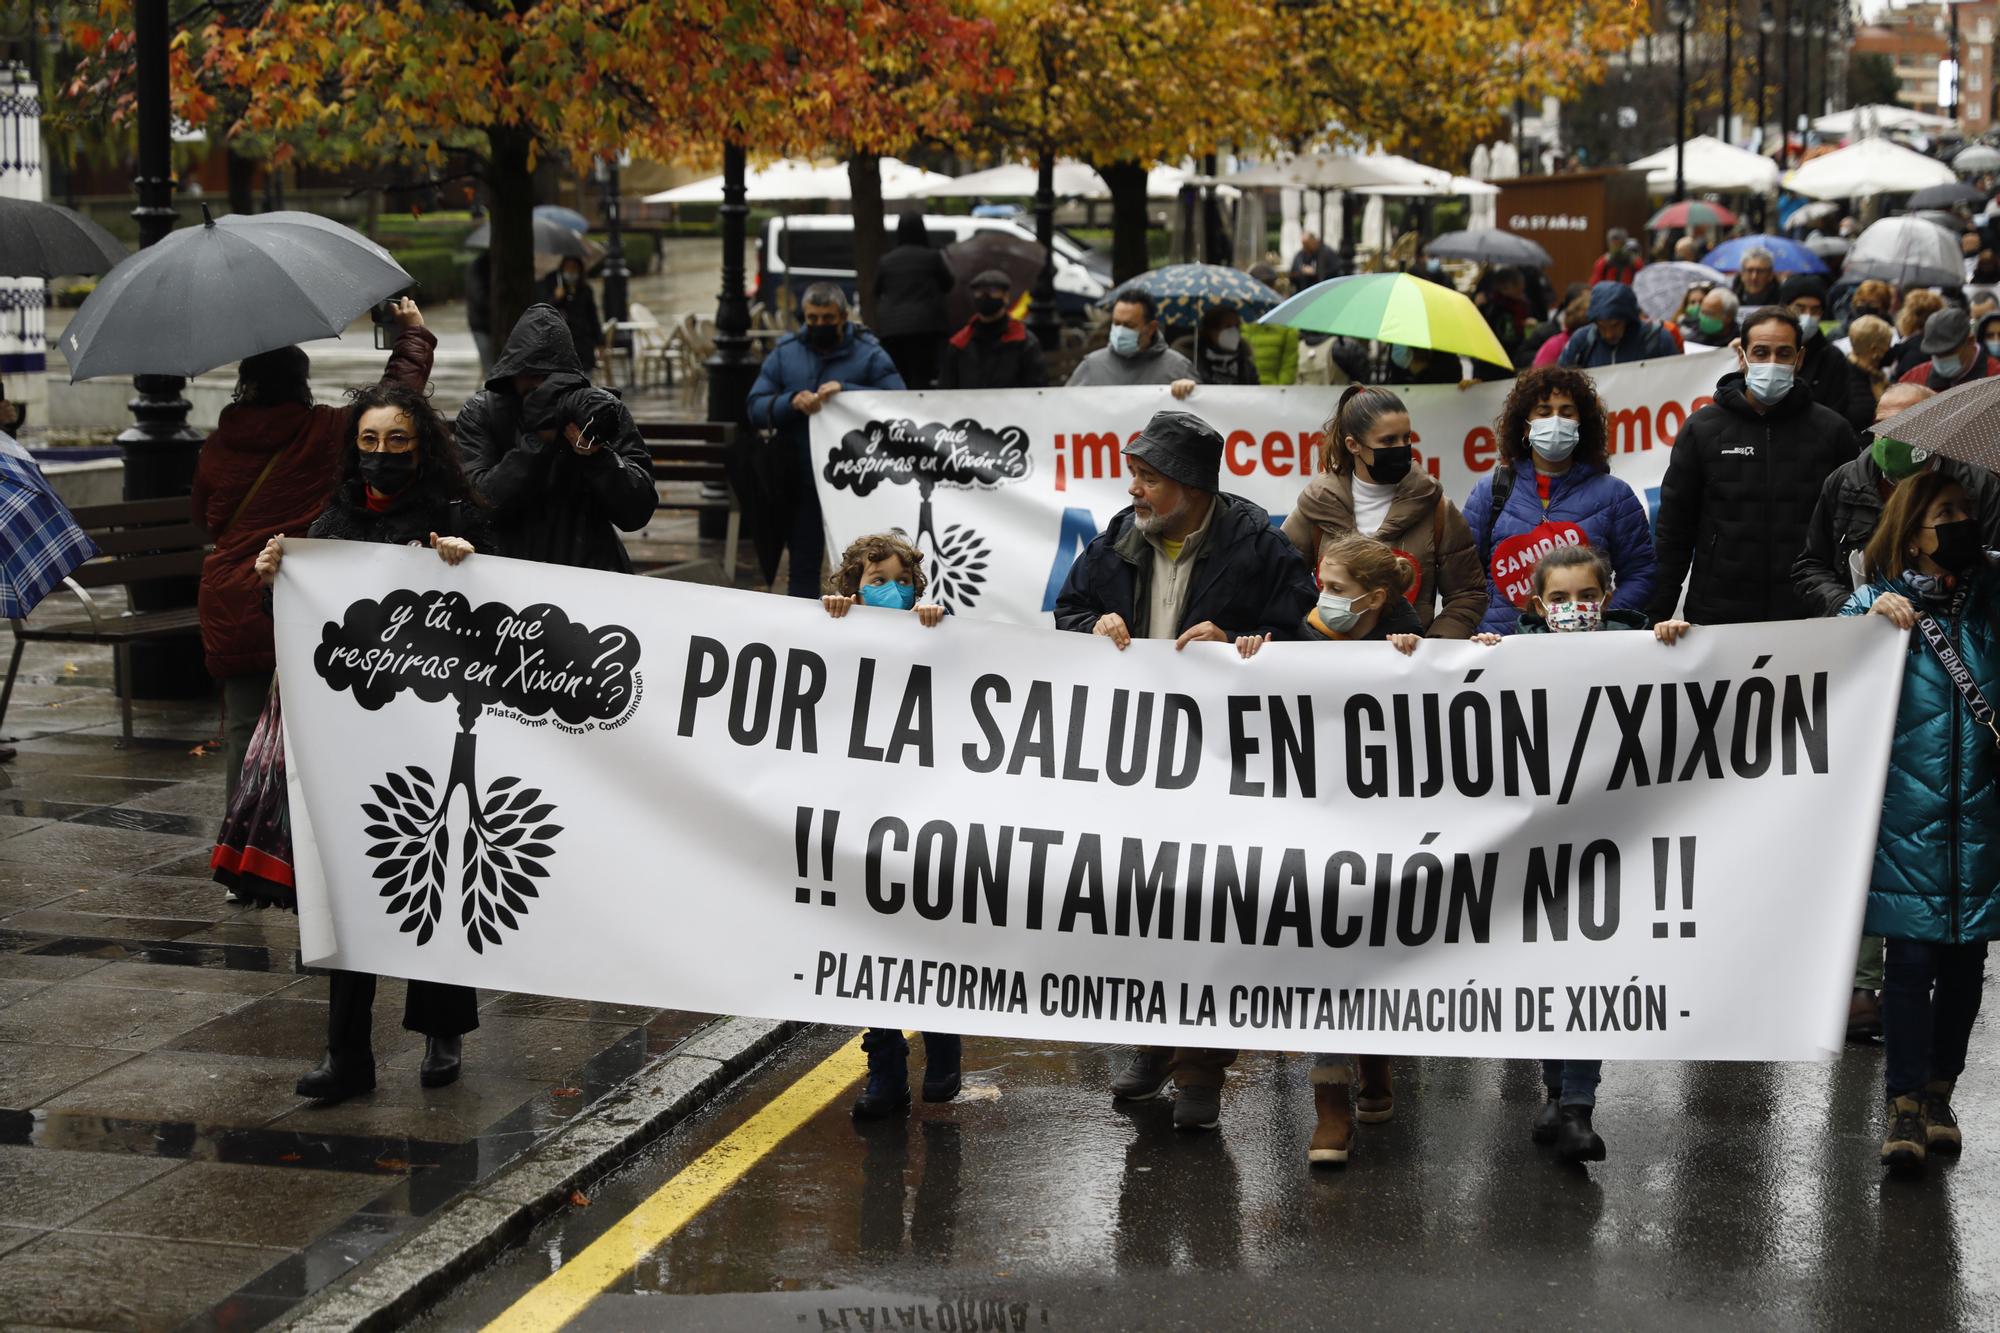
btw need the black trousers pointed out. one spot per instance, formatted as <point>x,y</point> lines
<point>916,357</point>
<point>431,1007</point>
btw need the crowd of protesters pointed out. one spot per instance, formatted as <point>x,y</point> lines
<point>1787,496</point>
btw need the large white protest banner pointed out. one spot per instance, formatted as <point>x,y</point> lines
<point>1002,489</point>
<point>526,777</point>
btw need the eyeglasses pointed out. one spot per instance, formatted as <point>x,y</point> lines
<point>395,442</point>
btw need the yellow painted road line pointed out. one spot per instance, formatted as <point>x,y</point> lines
<point>565,1293</point>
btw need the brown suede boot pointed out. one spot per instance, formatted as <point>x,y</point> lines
<point>1375,1101</point>
<point>1864,1016</point>
<point>1333,1136</point>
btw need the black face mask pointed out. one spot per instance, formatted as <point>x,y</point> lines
<point>823,336</point>
<point>389,474</point>
<point>1958,545</point>
<point>986,307</point>
<point>1390,465</point>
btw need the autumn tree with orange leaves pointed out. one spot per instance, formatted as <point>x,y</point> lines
<point>507,82</point>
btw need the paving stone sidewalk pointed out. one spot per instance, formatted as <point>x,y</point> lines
<point>156,1168</point>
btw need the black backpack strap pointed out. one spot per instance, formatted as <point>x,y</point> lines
<point>1503,487</point>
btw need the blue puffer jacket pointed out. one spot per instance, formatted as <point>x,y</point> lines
<point>1586,499</point>
<point>1937,858</point>
<point>857,361</point>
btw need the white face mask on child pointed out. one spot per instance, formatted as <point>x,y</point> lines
<point>1574,617</point>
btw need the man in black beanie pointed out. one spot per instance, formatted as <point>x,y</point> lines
<point>994,350</point>
<point>1190,563</point>
<point>1823,368</point>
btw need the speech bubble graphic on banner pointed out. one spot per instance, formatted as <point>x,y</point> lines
<point>964,455</point>
<point>535,662</point>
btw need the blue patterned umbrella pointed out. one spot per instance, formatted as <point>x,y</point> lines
<point>1183,291</point>
<point>40,544</point>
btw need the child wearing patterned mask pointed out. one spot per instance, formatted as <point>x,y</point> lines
<point>884,570</point>
<point>1572,585</point>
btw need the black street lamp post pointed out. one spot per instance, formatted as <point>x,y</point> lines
<point>159,448</point>
<point>1678,14</point>
<point>1795,31</point>
<point>615,275</point>
<point>1767,23</point>
<point>731,370</point>
<point>1951,54</point>
<point>1042,317</point>
<point>1728,63</point>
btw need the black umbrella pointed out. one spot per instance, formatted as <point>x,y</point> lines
<point>1020,259</point>
<point>1489,246</point>
<point>43,240</point>
<point>551,238</point>
<point>1944,196</point>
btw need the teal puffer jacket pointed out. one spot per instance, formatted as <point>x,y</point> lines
<point>1937,857</point>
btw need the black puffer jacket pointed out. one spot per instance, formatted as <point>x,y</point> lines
<point>1837,382</point>
<point>409,520</point>
<point>1248,578</point>
<point>1738,495</point>
<point>549,503</point>
<point>1850,507</point>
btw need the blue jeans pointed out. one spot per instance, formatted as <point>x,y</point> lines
<point>1930,996</point>
<point>807,538</point>
<point>1574,1081</point>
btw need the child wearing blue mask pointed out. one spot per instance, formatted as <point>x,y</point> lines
<point>1572,586</point>
<point>1364,598</point>
<point>885,570</point>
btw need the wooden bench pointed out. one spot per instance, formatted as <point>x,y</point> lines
<point>142,540</point>
<point>697,451</point>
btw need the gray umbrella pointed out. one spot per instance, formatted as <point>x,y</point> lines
<point>1907,251</point>
<point>1961,423</point>
<point>1828,247</point>
<point>209,295</point>
<point>551,238</point>
<point>1971,161</point>
<point>1489,246</point>
<point>1944,196</point>
<point>42,240</point>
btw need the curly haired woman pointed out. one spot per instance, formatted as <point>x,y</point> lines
<point>1552,486</point>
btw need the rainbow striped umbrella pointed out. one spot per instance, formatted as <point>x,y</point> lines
<point>1394,308</point>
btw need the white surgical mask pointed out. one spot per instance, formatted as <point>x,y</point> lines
<point>1124,341</point>
<point>1768,381</point>
<point>1948,366</point>
<point>1228,340</point>
<point>1554,438</point>
<point>1337,613</point>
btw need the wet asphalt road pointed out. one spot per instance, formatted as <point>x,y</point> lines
<point>1734,1195</point>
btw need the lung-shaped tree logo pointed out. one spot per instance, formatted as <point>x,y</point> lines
<point>535,665</point>
<point>962,456</point>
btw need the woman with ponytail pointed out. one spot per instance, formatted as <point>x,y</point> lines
<point>1368,486</point>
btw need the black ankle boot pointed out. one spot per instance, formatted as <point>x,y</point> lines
<point>1576,1141</point>
<point>888,1090</point>
<point>1548,1120</point>
<point>941,1066</point>
<point>441,1059</point>
<point>337,1079</point>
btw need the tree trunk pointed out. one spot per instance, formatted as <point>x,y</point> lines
<point>511,187</point>
<point>242,182</point>
<point>1127,182</point>
<point>864,181</point>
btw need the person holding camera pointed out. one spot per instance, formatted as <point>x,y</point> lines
<point>268,467</point>
<point>560,460</point>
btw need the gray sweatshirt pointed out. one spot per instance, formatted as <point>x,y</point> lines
<point>1153,364</point>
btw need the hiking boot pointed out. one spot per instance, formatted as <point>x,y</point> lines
<point>441,1061</point>
<point>337,1079</point>
<point>1197,1108</point>
<point>1333,1136</point>
<point>887,1092</point>
<point>1903,1146</point>
<point>1576,1141</point>
<point>1864,1016</point>
<point>1147,1076</point>
<point>1941,1134</point>
<point>941,1066</point>
<point>1548,1120</point>
<point>1375,1099</point>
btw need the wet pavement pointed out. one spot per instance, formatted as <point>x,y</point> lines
<point>156,1168</point>
<point>1734,1195</point>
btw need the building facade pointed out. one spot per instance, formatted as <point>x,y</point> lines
<point>1917,38</point>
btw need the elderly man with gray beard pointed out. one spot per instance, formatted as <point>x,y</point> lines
<point>1189,563</point>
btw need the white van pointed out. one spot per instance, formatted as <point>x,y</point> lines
<point>795,252</point>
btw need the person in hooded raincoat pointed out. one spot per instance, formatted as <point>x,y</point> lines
<point>560,461</point>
